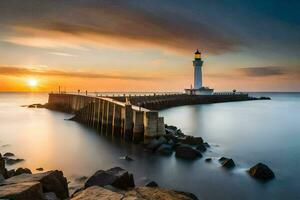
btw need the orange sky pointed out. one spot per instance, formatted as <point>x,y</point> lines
<point>118,46</point>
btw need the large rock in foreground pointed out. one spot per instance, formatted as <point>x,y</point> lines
<point>261,171</point>
<point>141,193</point>
<point>187,152</point>
<point>116,177</point>
<point>52,181</point>
<point>97,193</point>
<point>22,191</point>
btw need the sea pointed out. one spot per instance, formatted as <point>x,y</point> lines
<point>249,132</point>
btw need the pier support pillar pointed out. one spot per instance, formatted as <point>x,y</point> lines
<point>116,121</point>
<point>150,119</point>
<point>161,130</point>
<point>128,122</point>
<point>138,127</point>
<point>109,119</point>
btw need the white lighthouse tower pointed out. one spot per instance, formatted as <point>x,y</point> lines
<point>197,70</point>
<point>198,88</point>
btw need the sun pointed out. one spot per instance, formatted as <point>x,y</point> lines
<point>32,82</point>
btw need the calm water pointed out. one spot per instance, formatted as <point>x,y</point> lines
<point>249,132</point>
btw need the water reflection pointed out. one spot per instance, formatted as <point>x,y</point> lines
<point>246,131</point>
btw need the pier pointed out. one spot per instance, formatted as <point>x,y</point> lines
<point>110,117</point>
<point>131,117</point>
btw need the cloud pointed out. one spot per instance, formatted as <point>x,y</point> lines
<point>262,71</point>
<point>62,54</point>
<point>20,71</point>
<point>115,25</point>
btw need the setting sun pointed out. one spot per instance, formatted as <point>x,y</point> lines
<point>32,82</point>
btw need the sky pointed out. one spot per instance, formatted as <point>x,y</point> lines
<point>149,45</point>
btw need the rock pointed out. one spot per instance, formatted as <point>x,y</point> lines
<point>165,149</point>
<point>81,179</point>
<point>222,159</point>
<point>12,161</point>
<point>40,169</point>
<point>36,105</point>
<point>96,193</point>
<point>201,147</point>
<point>191,140</point>
<point>141,193</point>
<point>22,171</point>
<point>1,178</point>
<point>187,152</point>
<point>146,193</point>
<point>51,181</point>
<point>116,177</point>
<point>151,184</point>
<point>8,154</point>
<point>173,128</point>
<point>50,196</point>
<point>22,191</point>
<point>11,173</point>
<point>208,159</point>
<point>153,145</point>
<point>162,140</point>
<point>128,158</point>
<point>206,145</point>
<point>227,162</point>
<point>261,171</point>
<point>3,170</point>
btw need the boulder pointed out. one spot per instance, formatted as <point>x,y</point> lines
<point>96,193</point>
<point>51,181</point>
<point>151,184</point>
<point>141,193</point>
<point>50,196</point>
<point>116,177</point>
<point>40,169</point>
<point>227,162</point>
<point>261,171</point>
<point>8,154</point>
<point>187,152</point>
<point>3,170</point>
<point>208,159</point>
<point>22,171</point>
<point>22,191</point>
<point>206,145</point>
<point>12,161</point>
<point>201,147</point>
<point>153,145</point>
<point>146,193</point>
<point>191,140</point>
<point>81,179</point>
<point>165,149</point>
<point>11,173</point>
<point>128,158</point>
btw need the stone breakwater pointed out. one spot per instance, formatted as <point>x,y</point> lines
<point>110,117</point>
<point>159,102</point>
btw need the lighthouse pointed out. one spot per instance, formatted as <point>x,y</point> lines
<point>198,88</point>
<point>197,70</point>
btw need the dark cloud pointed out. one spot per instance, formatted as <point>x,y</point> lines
<point>19,71</point>
<point>263,71</point>
<point>119,21</point>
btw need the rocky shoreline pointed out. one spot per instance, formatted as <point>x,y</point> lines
<point>115,184</point>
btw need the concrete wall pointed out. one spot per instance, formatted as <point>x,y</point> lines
<point>110,117</point>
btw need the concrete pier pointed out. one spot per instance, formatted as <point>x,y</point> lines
<point>109,116</point>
